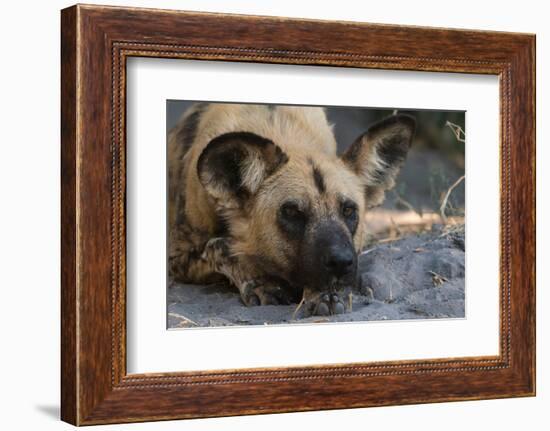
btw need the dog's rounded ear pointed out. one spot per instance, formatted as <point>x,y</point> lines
<point>378,154</point>
<point>233,166</point>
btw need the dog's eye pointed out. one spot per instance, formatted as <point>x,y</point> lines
<point>291,211</point>
<point>292,220</point>
<point>349,210</point>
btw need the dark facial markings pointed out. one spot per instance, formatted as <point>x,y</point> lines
<point>349,212</point>
<point>319,180</point>
<point>292,220</point>
<point>328,258</point>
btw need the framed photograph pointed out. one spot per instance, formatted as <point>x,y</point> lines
<point>266,215</point>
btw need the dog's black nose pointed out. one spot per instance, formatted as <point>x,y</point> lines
<point>339,260</point>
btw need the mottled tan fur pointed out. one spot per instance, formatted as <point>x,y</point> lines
<point>213,231</point>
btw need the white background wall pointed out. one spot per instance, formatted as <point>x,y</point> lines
<point>29,214</point>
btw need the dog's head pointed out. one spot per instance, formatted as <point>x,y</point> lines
<point>301,215</point>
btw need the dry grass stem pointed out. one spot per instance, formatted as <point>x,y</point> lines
<point>407,204</point>
<point>446,198</point>
<point>185,319</point>
<point>457,131</point>
<point>437,279</point>
<point>452,229</point>
<point>298,308</point>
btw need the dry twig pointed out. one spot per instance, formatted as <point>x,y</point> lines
<point>400,200</point>
<point>182,317</point>
<point>457,131</point>
<point>298,308</point>
<point>437,279</point>
<point>446,198</point>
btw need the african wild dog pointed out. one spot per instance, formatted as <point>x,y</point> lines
<point>258,196</point>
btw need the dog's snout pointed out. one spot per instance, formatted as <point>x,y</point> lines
<point>339,260</point>
<point>329,257</point>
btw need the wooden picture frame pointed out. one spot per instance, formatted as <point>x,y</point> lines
<point>96,41</point>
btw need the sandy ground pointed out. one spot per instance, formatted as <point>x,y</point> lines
<point>418,277</point>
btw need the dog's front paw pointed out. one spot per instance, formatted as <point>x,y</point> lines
<point>263,292</point>
<point>328,305</point>
<point>216,251</point>
<point>325,304</point>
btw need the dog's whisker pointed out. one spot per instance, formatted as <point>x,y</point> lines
<point>366,252</point>
<point>237,254</point>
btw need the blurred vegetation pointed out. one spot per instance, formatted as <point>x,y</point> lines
<point>435,162</point>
